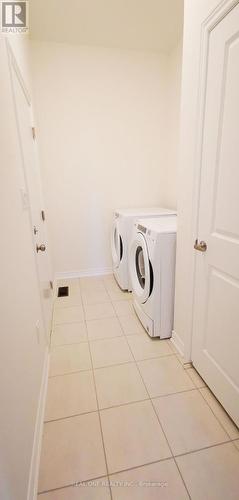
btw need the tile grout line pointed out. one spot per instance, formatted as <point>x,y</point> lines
<point>175,354</point>
<point>96,411</point>
<point>203,448</point>
<point>87,369</point>
<point>70,373</point>
<point>123,404</point>
<point>111,474</point>
<point>70,416</point>
<point>66,306</point>
<point>205,386</point>
<point>156,415</point>
<point>70,485</point>
<point>193,451</point>
<point>98,339</point>
<point>215,413</point>
<point>73,343</point>
<point>151,402</point>
<point>189,367</point>
<point>234,444</point>
<point>121,363</point>
<point>105,366</point>
<point>99,417</point>
<point>67,322</point>
<point>137,467</point>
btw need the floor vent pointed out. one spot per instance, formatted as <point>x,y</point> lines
<point>63,291</point>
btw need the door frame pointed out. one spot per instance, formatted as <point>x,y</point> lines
<point>14,67</point>
<point>207,25</point>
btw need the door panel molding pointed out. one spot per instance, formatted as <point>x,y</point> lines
<point>215,278</point>
<point>15,66</point>
<point>32,181</point>
<point>209,23</point>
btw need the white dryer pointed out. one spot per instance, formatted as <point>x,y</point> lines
<point>123,224</point>
<point>152,271</point>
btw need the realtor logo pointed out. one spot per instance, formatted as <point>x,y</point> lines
<point>14,17</point>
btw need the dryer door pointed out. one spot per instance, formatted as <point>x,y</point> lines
<point>116,245</point>
<point>140,268</point>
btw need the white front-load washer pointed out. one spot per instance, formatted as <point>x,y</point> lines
<point>152,271</point>
<point>123,224</point>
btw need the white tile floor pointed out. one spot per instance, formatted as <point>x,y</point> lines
<point>124,418</point>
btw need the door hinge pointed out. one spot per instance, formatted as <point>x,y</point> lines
<point>51,285</point>
<point>43,215</point>
<point>33,133</point>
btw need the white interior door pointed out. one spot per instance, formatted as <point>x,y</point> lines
<point>33,196</point>
<point>215,343</point>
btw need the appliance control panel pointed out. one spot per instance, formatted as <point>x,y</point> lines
<point>142,228</point>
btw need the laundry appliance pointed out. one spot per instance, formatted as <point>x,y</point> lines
<point>152,272</point>
<point>123,224</point>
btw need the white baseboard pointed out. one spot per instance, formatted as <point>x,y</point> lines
<point>83,273</point>
<point>177,342</point>
<point>36,449</point>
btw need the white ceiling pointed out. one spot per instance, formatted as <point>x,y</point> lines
<point>131,24</point>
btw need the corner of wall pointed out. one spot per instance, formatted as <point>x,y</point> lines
<point>177,342</point>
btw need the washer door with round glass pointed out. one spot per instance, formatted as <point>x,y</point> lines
<point>140,268</point>
<point>116,246</point>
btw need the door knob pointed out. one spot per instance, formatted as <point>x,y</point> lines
<point>201,246</point>
<point>41,248</point>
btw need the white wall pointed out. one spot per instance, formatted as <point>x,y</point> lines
<point>169,174</point>
<point>194,14</point>
<point>103,118</point>
<point>22,352</point>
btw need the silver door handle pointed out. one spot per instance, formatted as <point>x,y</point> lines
<point>201,246</point>
<point>41,248</point>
